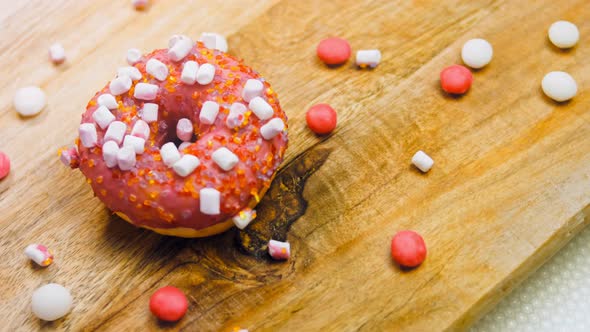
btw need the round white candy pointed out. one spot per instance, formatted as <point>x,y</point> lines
<point>564,34</point>
<point>29,101</point>
<point>559,86</point>
<point>477,53</point>
<point>51,302</point>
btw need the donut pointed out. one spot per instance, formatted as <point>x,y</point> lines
<point>183,141</point>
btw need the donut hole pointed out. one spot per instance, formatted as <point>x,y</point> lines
<point>167,133</point>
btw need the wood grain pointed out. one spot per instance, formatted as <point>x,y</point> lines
<point>510,186</point>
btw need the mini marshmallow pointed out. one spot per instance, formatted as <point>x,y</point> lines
<point>70,157</point>
<point>145,91</point>
<point>126,158</point>
<point>115,132</point>
<point>157,69</point>
<point>209,201</point>
<point>39,254</point>
<point>252,88</point>
<point>175,38</point>
<point>133,56</point>
<point>261,108</point>
<point>189,72</point>
<point>214,41</point>
<point>120,85</point>
<point>422,161</point>
<point>243,219</point>
<point>103,117</point>
<point>279,250</point>
<point>184,145</point>
<point>110,150</point>
<point>88,136</point>
<point>130,71</point>
<point>224,158</point>
<point>368,58</point>
<point>209,112</point>
<point>29,101</point>
<point>57,53</point>
<point>149,112</point>
<point>107,100</point>
<point>140,4</point>
<point>236,115</point>
<point>170,154</point>
<point>141,129</point>
<point>205,74</point>
<point>186,165</point>
<point>184,129</point>
<point>137,143</point>
<point>180,49</point>
<point>272,128</point>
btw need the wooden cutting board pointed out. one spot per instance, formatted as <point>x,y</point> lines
<point>510,185</point>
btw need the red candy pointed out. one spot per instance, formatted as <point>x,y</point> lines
<point>168,304</point>
<point>408,249</point>
<point>4,165</point>
<point>456,79</point>
<point>334,51</point>
<point>321,119</point>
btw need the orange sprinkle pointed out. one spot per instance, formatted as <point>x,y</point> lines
<point>132,198</point>
<point>99,179</point>
<point>89,181</point>
<point>103,192</point>
<point>121,194</point>
<point>90,163</point>
<point>153,195</point>
<point>139,206</point>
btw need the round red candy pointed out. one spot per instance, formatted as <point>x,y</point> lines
<point>321,119</point>
<point>334,51</point>
<point>168,304</point>
<point>4,165</point>
<point>456,79</point>
<point>408,249</point>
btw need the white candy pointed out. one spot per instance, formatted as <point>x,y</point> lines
<point>170,154</point>
<point>209,112</point>
<point>261,108</point>
<point>107,100</point>
<point>184,129</point>
<point>214,41</point>
<point>29,101</point>
<point>209,201</point>
<point>145,91</point>
<point>110,150</point>
<point>115,132</point>
<point>51,302</point>
<point>137,143</point>
<point>243,219</point>
<point>88,136</point>
<point>57,53</point>
<point>180,49</point>
<point>205,74</point>
<point>133,56</point>
<point>422,161</point>
<point>126,158</point>
<point>130,71</point>
<point>252,88</point>
<point>149,112</point>
<point>370,58</point>
<point>175,38</point>
<point>120,85</point>
<point>279,250</point>
<point>184,145</point>
<point>103,117</point>
<point>477,53</point>
<point>141,129</point>
<point>236,115</point>
<point>272,128</point>
<point>189,72</point>
<point>559,86</point>
<point>39,254</point>
<point>157,69</point>
<point>224,158</point>
<point>564,34</point>
<point>186,165</point>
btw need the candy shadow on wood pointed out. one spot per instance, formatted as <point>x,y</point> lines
<point>552,102</point>
<point>560,51</point>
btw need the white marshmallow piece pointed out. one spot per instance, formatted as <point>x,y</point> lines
<point>477,53</point>
<point>29,101</point>
<point>133,56</point>
<point>149,112</point>
<point>126,158</point>
<point>422,161</point>
<point>51,302</point>
<point>184,145</point>
<point>279,250</point>
<point>57,53</point>
<point>157,69</point>
<point>130,71</point>
<point>141,129</point>
<point>272,128</point>
<point>368,58</point>
<point>214,41</point>
<point>559,86</point>
<point>107,100</point>
<point>88,136</point>
<point>189,72</point>
<point>145,91</point>
<point>184,129</point>
<point>236,115</point>
<point>115,132</point>
<point>69,155</point>
<point>205,74</point>
<point>210,201</point>
<point>170,154</point>
<point>120,85</point>
<point>180,49</point>
<point>209,112</point>
<point>173,39</point>
<point>243,219</point>
<point>110,149</point>
<point>224,158</point>
<point>564,34</point>
<point>252,88</point>
<point>261,108</point>
<point>103,117</point>
<point>39,254</point>
<point>137,143</point>
<point>186,165</point>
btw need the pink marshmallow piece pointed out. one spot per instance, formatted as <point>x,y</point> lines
<point>88,136</point>
<point>70,157</point>
<point>141,129</point>
<point>279,250</point>
<point>184,129</point>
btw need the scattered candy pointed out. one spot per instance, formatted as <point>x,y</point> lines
<point>564,34</point>
<point>140,4</point>
<point>51,302</point>
<point>236,115</point>
<point>214,41</point>
<point>4,165</point>
<point>272,128</point>
<point>57,53</point>
<point>29,101</point>
<point>130,71</point>
<point>321,119</point>
<point>559,86</point>
<point>368,58</point>
<point>477,53</point>
<point>224,158</point>
<point>334,51</point>
<point>168,304</point>
<point>279,250</point>
<point>209,201</point>
<point>141,129</point>
<point>422,161</point>
<point>184,145</point>
<point>39,254</point>
<point>456,79</point>
<point>243,219</point>
<point>408,249</point>
<point>133,56</point>
<point>70,158</point>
